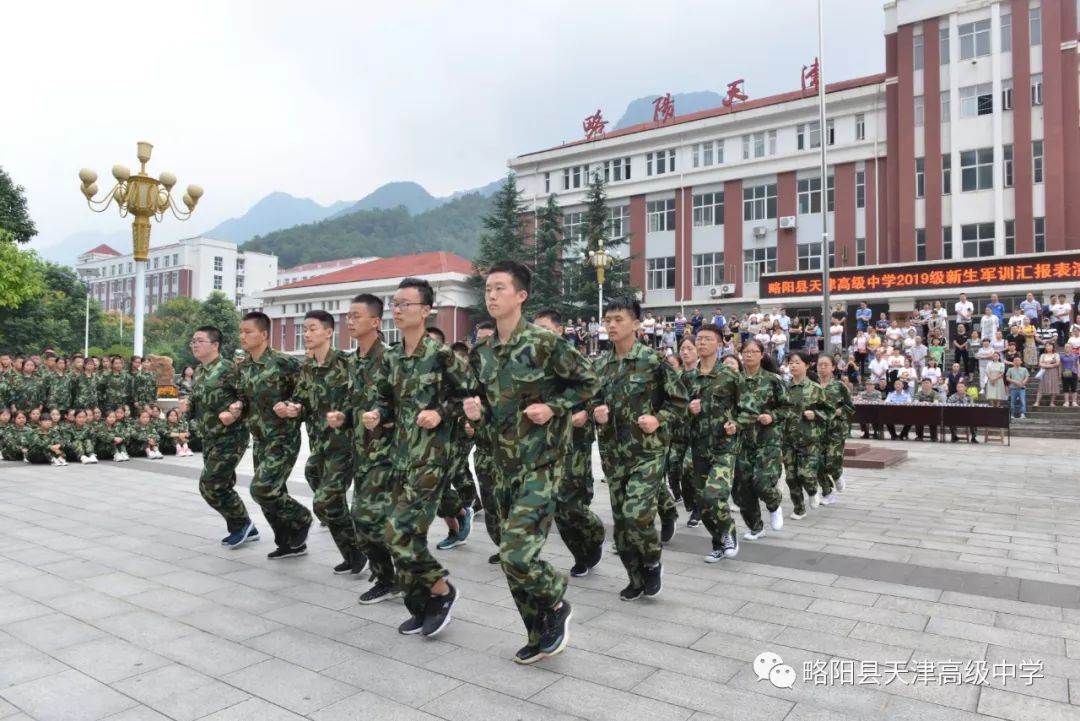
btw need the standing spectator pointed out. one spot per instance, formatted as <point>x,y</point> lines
<point>601,337</point>
<point>964,310</point>
<point>860,346</point>
<point>680,326</point>
<point>695,321</point>
<point>594,331</point>
<point>909,375</point>
<point>1031,344</point>
<point>954,376</point>
<point>784,320</point>
<point>717,318</point>
<point>937,350</point>
<point>896,362</point>
<point>984,355</point>
<point>1050,370</point>
<point>960,347</point>
<point>1010,353</point>
<point>647,327</point>
<point>988,324</point>
<point>795,333</point>
<point>1068,375</point>
<point>863,317</point>
<point>812,338</point>
<point>836,335</point>
<point>735,326</point>
<point>883,323</point>
<point>570,334</point>
<point>1046,333</point>
<point>939,320</point>
<point>582,336</point>
<point>669,338</point>
<point>998,343</point>
<point>1016,378</point>
<point>932,372</point>
<point>1074,339</point>
<point>1017,318</point>
<point>1031,308</point>
<point>894,335</point>
<point>995,391</point>
<point>997,308</point>
<point>185,382</point>
<point>778,341</point>
<point>879,367</point>
<point>1061,310</point>
<point>918,353</point>
<point>849,372</point>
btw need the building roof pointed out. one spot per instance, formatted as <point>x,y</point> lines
<point>716,112</point>
<point>419,265</point>
<point>103,249</point>
<point>326,264</point>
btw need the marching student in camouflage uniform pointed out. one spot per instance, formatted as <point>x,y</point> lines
<point>531,382</point>
<point>714,391</point>
<point>456,505</point>
<point>324,387</point>
<point>581,530</point>
<point>142,385</point>
<point>763,410</point>
<point>85,387</point>
<point>28,390</point>
<point>60,386</point>
<point>678,455</point>
<point>374,491</point>
<point>114,388</point>
<point>268,377</point>
<point>804,434</point>
<point>216,389</point>
<point>839,426</point>
<point>416,389</point>
<point>484,462</point>
<point>640,402</point>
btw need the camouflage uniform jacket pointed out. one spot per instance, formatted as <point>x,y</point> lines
<point>104,434</point>
<point>931,397</point>
<point>7,388</point>
<point>61,390</point>
<point>583,437</point>
<point>839,395</point>
<point>372,447</point>
<point>76,433</point>
<point>85,391</point>
<point>320,389</point>
<point>960,399</point>
<point>807,396</point>
<point>29,392</point>
<point>263,384</point>
<point>113,390</point>
<point>143,388</point>
<point>432,378</point>
<point>869,397</point>
<point>640,383</point>
<point>719,391</point>
<point>532,366</point>
<point>146,433</point>
<point>39,441</point>
<point>217,386</point>
<point>763,392</point>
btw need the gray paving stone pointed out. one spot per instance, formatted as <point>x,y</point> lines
<point>119,584</point>
<point>1019,707</point>
<point>89,606</point>
<point>290,686</point>
<point>712,698</point>
<point>209,654</point>
<point>52,632</point>
<point>364,706</point>
<point>574,696</point>
<point>461,704</point>
<point>67,696</point>
<point>997,636</point>
<point>395,680</point>
<point>315,619</point>
<point>110,659</point>
<point>16,608</point>
<point>689,662</point>
<point>230,623</point>
<point>138,713</point>
<point>253,709</point>
<point>145,628</point>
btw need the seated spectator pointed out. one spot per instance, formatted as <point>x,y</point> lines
<point>870,394</point>
<point>898,396</point>
<point>960,397</point>
<point>926,394</point>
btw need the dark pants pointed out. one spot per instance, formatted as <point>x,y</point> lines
<point>933,432</point>
<point>903,433</point>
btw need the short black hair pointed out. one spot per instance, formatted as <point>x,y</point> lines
<point>519,273</point>
<point>322,316</point>
<point>213,334</point>
<point>630,305</point>
<point>437,331</point>
<point>373,302</point>
<point>260,319</point>
<point>460,347</point>
<point>712,328</point>
<point>427,293</point>
<point>551,314</point>
<point>485,325</point>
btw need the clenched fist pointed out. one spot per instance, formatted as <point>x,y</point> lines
<point>539,413</point>
<point>579,419</point>
<point>695,406</point>
<point>335,419</point>
<point>648,424</point>
<point>428,419</point>
<point>473,408</point>
<point>601,414</point>
<point>371,419</point>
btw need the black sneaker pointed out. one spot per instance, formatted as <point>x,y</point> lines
<point>493,559</point>
<point>667,528</point>
<point>528,654</point>
<point>595,556</point>
<point>282,552</point>
<point>380,592</point>
<point>437,615</point>
<point>695,519</point>
<point>299,537</point>
<point>555,629</point>
<point>730,543</point>
<point>654,579</point>
<point>631,593</point>
<point>354,566</point>
<point>411,626</point>
<point>579,569</point>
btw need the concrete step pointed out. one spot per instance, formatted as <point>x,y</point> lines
<point>876,457</point>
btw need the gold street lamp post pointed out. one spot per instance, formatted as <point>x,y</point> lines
<point>600,260</point>
<point>142,196</point>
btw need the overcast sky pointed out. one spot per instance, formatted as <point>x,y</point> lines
<point>329,100</point>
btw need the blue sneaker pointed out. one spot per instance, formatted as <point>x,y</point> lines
<point>465,525</point>
<point>247,534</point>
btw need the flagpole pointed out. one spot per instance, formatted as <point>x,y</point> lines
<point>824,173</point>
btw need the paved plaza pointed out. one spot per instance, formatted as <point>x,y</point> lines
<point>945,588</point>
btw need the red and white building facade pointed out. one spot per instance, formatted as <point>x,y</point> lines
<point>319,267</point>
<point>964,152</point>
<point>333,292</point>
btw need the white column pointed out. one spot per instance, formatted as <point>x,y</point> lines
<point>999,133</point>
<point>140,305</point>
<point>954,146</point>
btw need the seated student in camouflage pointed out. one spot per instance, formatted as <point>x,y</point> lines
<point>143,439</point>
<point>13,438</point>
<point>839,426</point>
<point>79,440</point>
<point>804,434</point>
<point>110,440</point>
<point>5,424</point>
<point>44,445</point>
<point>641,400</point>
<point>174,435</point>
<point>456,505</point>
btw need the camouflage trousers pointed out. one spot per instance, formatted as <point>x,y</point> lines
<point>832,466</point>
<point>418,493</point>
<point>757,471</point>
<point>84,447</point>
<point>105,451</point>
<point>580,529</point>
<point>677,473</point>
<point>526,501</point>
<point>217,483</point>
<point>329,471</point>
<point>274,459</point>
<point>634,484</point>
<point>712,476</point>
<point>484,465</point>
<point>802,466</point>
<point>372,503</point>
<point>460,492</point>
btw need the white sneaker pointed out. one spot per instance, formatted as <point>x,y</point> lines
<point>776,519</point>
<point>55,461</point>
<point>93,457</point>
<point>827,500</point>
<point>796,516</point>
<point>714,556</point>
<point>840,484</point>
<point>751,536</point>
<point>84,459</point>
<point>63,461</point>
<point>815,500</point>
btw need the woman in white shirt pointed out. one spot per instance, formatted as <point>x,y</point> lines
<point>984,355</point>
<point>779,343</point>
<point>998,344</point>
<point>836,337</point>
<point>988,324</point>
<point>932,371</point>
<point>908,375</point>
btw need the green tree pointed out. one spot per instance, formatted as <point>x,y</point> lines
<point>547,262</point>
<point>167,331</point>
<point>15,222</point>
<point>596,234</point>
<point>20,275</point>
<point>504,237</point>
<point>219,311</point>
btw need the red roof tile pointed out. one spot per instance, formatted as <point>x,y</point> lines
<point>418,265</point>
<point>715,112</point>
<point>103,250</point>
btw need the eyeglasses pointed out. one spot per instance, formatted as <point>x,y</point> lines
<point>198,341</point>
<point>404,304</point>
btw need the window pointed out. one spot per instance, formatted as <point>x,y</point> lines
<point>1008,155</point>
<point>575,177</point>
<point>753,145</point>
<point>977,240</point>
<point>217,282</point>
<point>706,154</point>
<point>389,331</point>
<point>1006,32</point>
<point>175,259</point>
<point>1040,235</point>
<point>920,244</point>
<point>946,174</point>
<point>946,106</point>
<point>757,262</point>
<point>808,135</point>
<point>772,142</point>
<point>660,162</point>
<point>830,190</point>
<point>617,170</point>
<point>661,215</point>
<point>860,126</point>
<point>298,337</point>
<point>239,265</point>
<point>860,251</point>
<point>920,111</point>
<point>547,183</point>
<point>918,51</point>
<point>239,282</point>
<point>619,221</point>
<point>974,39</point>
<point>943,45</point>
<point>660,273</point>
<point>860,188</point>
<point>219,264</point>
<point>977,170</point>
<point>920,177</point>
<point>1010,237</point>
<point>1036,89</point>
<point>1035,25</point>
<point>156,261</point>
<point>809,194</point>
<point>830,133</point>
<point>976,100</point>
<point>1006,94</point>
<point>709,209</point>
<point>1037,161</point>
<point>708,269</point>
<point>573,227</point>
<point>946,242</point>
<point>809,255</point>
<point>165,262</point>
<point>759,202</point>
